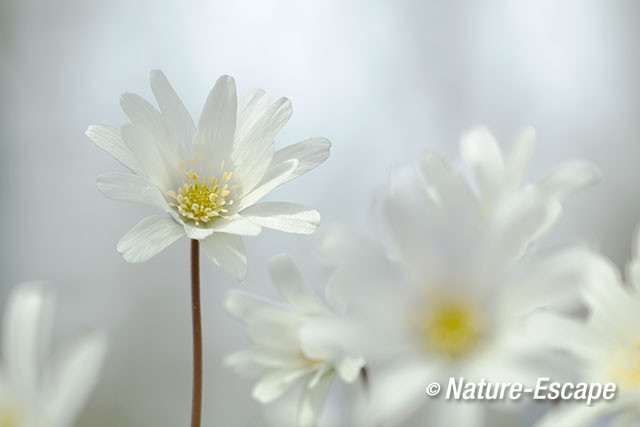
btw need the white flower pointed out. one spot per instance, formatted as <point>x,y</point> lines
<point>301,341</point>
<point>606,344</point>
<point>497,181</point>
<point>49,396</point>
<point>448,298</point>
<point>208,179</point>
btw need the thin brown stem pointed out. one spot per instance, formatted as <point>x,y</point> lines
<point>364,377</point>
<point>196,405</point>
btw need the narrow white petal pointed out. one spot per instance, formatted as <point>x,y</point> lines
<point>310,153</point>
<point>244,305</point>
<point>253,146</point>
<point>74,377</point>
<point>275,384</point>
<point>250,108</point>
<point>561,332</point>
<point>146,150</point>
<point>227,251</point>
<point>109,139</point>
<point>237,225</point>
<point>446,185</point>
<point>517,162</point>
<point>292,286</point>
<point>177,118</point>
<point>214,140</point>
<point>481,152</point>
<point>132,188</point>
<point>149,237</point>
<point>569,177</point>
<point>287,217</point>
<point>27,319</point>
<point>277,176</point>
<point>313,401</point>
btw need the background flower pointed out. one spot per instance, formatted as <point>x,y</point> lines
<point>304,341</point>
<point>33,394</point>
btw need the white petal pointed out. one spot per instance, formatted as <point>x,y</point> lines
<point>517,162</point>
<point>145,116</point>
<point>568,178</point>
<point>217,124</point>
<point>483,155</point>
<point>292,286</point>
<point>237,225</point>
<point>276,177</point>
<point>74,378</point>
<point>146,150</point>
<point>578,414</point>
<point>110,140</point>
<point>27,319</point>
<point>253,146</point>
<point>258,359</point>
<point>132,188</point>
<point>275,384</point>
<point>310,153</point>
<point>313,401</point>
<point>197,233</point>
<point>250,109</point>
<point>244,306</point>
<point>396,393</point>
<point>446,185</point>
<point>287,217</point>
<point>149,237</point>
<point>177,118</point>
<point>561,332</point>
<point>227,251</point>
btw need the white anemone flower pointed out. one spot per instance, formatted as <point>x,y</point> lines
<point>606,345</point>
<point>449,297</point>
<point>206,181</point>
<point>53,395</point>
<point>302,341</point>
<point>489,179</point>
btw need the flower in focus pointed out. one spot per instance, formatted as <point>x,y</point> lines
<point>606,345</point>
<point>206,181</point>
<point>36,396</point>
<point>304,340</point>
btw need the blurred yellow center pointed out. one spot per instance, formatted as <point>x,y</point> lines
<point>450,328</point>
<point>625,366</point>
<point>200,199</point>
<point>9,417</point>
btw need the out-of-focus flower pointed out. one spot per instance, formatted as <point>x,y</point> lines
<point>492,182</point>
<point>49,396</point>
<point>304,340</point>
<point>208,180</point>
<point>606,345</point>
<point>448,297</point>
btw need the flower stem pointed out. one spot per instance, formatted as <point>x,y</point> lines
<point>196,405</point>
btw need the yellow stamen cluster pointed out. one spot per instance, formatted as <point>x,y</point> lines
<point>625,366</point>
<point>202,199</point>
<point>450,328</point>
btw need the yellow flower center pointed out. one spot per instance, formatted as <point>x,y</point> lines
<point>450,328</point>
<point>625,366</point>
<point>9,417</point>
<point>199,199</point>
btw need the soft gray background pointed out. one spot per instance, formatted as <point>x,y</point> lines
<point>382,80</point>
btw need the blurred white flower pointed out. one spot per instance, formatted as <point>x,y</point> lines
<point>304,340</point>
<point>606,344</point>
<point>491,182</point>
<point>448,298</point>
<point>465,323</point>
<point>207,179</point>
<point>32,395</point>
